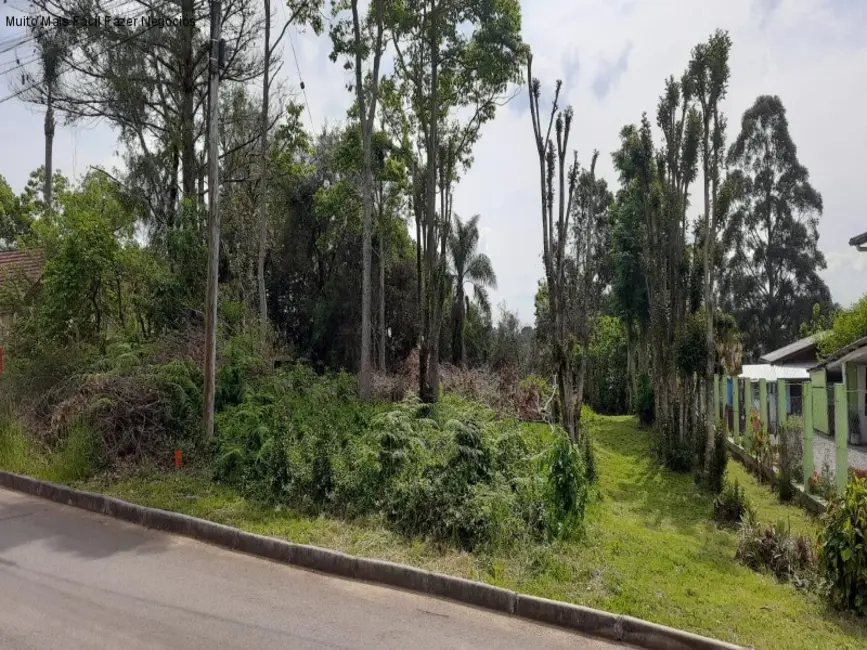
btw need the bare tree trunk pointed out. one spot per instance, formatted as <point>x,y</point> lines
<point>367,112</point>
<point>263,185</point>
<point>49,150</point>
<point>382,332</point>
<point>188,87</point>
<point>429,367</point>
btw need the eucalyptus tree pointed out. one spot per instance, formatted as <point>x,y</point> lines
<point>771,276</point>
<point>681,126</point>
<point>555,234</point>
<point>454,62</point>
<point>303,12</point>
<point>362,41</point>
<point>709,74</point>
<point>469,266</point>
<point>591,268</point>
<point>148,77</point>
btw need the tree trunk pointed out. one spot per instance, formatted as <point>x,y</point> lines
<point>708,298</point>
<point>566,391</point>
<point>188,87</point>
<point>579,391</point>
<point>429,366</point>
<point>382,332</point>
<point>49,151</point>
<point>366,113</point>
<point>456,331</point>
<point>263,185</point>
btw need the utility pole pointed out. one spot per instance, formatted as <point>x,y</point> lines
<point>213,220</point>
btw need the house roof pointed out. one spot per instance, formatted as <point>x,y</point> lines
<point>768,372</point>
<point>859,240</point>
<point>855,351</point>
<point>16,264</point>
<point>803,345</point>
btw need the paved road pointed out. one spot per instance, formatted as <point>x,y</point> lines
<point>71,579</point>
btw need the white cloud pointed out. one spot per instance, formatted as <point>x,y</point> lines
<point>812,53</point>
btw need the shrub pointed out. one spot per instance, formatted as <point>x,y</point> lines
<point>718,465</point>
<point>843,548</point>
<point>775,549</point>
<point>731,506</point>
<point>567,483</point>
<point>822,484</point>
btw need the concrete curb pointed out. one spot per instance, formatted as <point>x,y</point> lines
<point>574,617</point>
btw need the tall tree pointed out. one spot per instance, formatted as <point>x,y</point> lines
<point>151,83</point>
<point>304,12</point>
<point>468,267</point>
<point>52,45</point>
<point>449,55</point>
<point>360,44</point>
<point>555,233</point>
<point>709,73</point>
<point>771,275</point>
<point>590,265</point>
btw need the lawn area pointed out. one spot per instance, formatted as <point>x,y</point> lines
<point>649,549</point>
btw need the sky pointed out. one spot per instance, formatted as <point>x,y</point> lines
<point>613,56</point>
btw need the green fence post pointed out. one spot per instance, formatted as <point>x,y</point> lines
<point>781,402</point>
<point>763,404</point>
<point>841,437</point>
<point>807,400</point>
<point>736,405</point>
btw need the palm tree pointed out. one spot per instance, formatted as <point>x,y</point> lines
<point>468,267</point>
<point>51,46</point>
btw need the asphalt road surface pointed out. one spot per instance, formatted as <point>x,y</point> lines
<point>71,579</point>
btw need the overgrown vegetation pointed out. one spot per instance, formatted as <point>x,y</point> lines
<point>454,473</point>
<point>640,305</point>
<point>843,556</point>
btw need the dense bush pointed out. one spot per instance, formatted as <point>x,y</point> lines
<point>731,506</point>
<point>843,548</point>
<point>718,465</point>
<point>129,401</point>
<point>775,549</point>
<point>453,472</point>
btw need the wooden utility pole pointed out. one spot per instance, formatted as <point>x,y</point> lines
<point>213,221</point>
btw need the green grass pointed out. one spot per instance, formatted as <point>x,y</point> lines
<point>649,549</point>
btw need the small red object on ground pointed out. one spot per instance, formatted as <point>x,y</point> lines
<point>178,457</point>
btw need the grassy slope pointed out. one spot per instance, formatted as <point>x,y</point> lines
<point>649,550</point>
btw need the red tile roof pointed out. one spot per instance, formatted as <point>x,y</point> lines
<point>15,264</point>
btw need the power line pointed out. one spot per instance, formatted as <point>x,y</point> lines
<point>301,81</point>
<point>20,92</point>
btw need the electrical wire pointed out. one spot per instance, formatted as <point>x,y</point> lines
<point>21,91</point>
<point>301,81</point>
